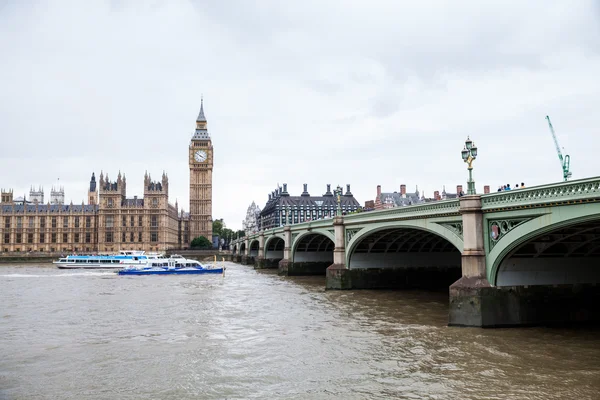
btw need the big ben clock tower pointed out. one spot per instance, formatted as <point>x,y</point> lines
<point>201,166</point>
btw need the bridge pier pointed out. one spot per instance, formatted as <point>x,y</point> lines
<point>338,275</point>
<point>303,268</point>
<point>469,295</point>
<point>287,250</point>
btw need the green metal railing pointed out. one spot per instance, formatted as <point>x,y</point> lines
<point>563,192</point>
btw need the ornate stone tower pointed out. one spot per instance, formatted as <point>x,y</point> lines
<point>36,196</point>
<point>92,193</point>
<point>201,166</point>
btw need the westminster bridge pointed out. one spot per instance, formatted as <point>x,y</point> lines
<point>525,256</point>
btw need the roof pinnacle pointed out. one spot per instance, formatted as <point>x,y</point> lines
<point>201,117</point>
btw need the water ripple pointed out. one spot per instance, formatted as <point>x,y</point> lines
<point>255,335</point>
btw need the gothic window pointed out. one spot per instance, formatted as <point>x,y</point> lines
<point>110,202</point>
<point>30,238</point>
<point>131,220</point>
<point>108,221</point>
<point>76,238</point>
<point>88,222</point>
<point>124,223</point>
<point>7,222</point>
<point>140,237</point>
<point>154,221</point>
<point>65,238</point>
<point>19,223</point>
<point>154,236</point>
<point>54,222</point>
<point>7,238</point>
<point>155,202</point>
<point>123,237</point>
<point>54,238</point>
<point>31,222</point>
<point>140,220</point>
<point>88,237</point>
<point>42,238</point>
<point>76,222</point>
<point>131,237</point>
<point>18,238</point>
<point>65,222</point>
<point>109,237</point>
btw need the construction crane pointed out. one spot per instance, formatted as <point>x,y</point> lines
<point>564,161</point>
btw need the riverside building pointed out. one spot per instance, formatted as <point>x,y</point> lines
<point>283,209</point>
<point>110,221</point>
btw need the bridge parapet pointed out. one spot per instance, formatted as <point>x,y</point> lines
<point>578,191</point>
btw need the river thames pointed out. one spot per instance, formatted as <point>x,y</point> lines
<point>80,334</point>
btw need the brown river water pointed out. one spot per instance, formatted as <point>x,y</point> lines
<point>80,334</point>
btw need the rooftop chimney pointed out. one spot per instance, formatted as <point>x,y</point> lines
<point>348,193</point>
<point>305,192</point>
<point>403,190</point>
<point>328,192</point>
<point>378,190</point>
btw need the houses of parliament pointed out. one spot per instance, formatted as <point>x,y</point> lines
<point>111,221</point>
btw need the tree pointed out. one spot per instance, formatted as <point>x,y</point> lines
<point>201,243</point>
<point>217,227</point>
<point>227,235</point>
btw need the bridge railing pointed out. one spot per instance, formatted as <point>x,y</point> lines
<point>536,196</point>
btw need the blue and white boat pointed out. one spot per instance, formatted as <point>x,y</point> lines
<point>171,266</point>
<point>124,258</point>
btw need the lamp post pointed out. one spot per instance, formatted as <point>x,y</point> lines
<point>469,154</point>
<point>338,192</point>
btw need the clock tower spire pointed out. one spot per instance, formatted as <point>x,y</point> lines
<point>201,166</point>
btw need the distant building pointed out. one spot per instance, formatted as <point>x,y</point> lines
<point>57,195</point>
<point>283,209</point>
<point>396,199</point>
<point>252,221</point>
<point>36,196</point>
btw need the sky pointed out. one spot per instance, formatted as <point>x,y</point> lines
<point>316,92</point>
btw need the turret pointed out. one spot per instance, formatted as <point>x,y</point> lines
<point>92,192</point>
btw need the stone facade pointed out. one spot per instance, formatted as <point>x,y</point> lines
<point>108,223</point>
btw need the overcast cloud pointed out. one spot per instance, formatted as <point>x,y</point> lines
<point>312,91</point>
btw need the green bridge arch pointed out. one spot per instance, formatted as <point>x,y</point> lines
<point>546,220</point>
<point>298,239</point>
<point>436,227</point>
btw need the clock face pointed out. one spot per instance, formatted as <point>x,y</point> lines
<point>200,156</point>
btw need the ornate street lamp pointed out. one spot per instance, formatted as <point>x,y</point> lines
<point>469,154</point>
<point>338,192</point>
